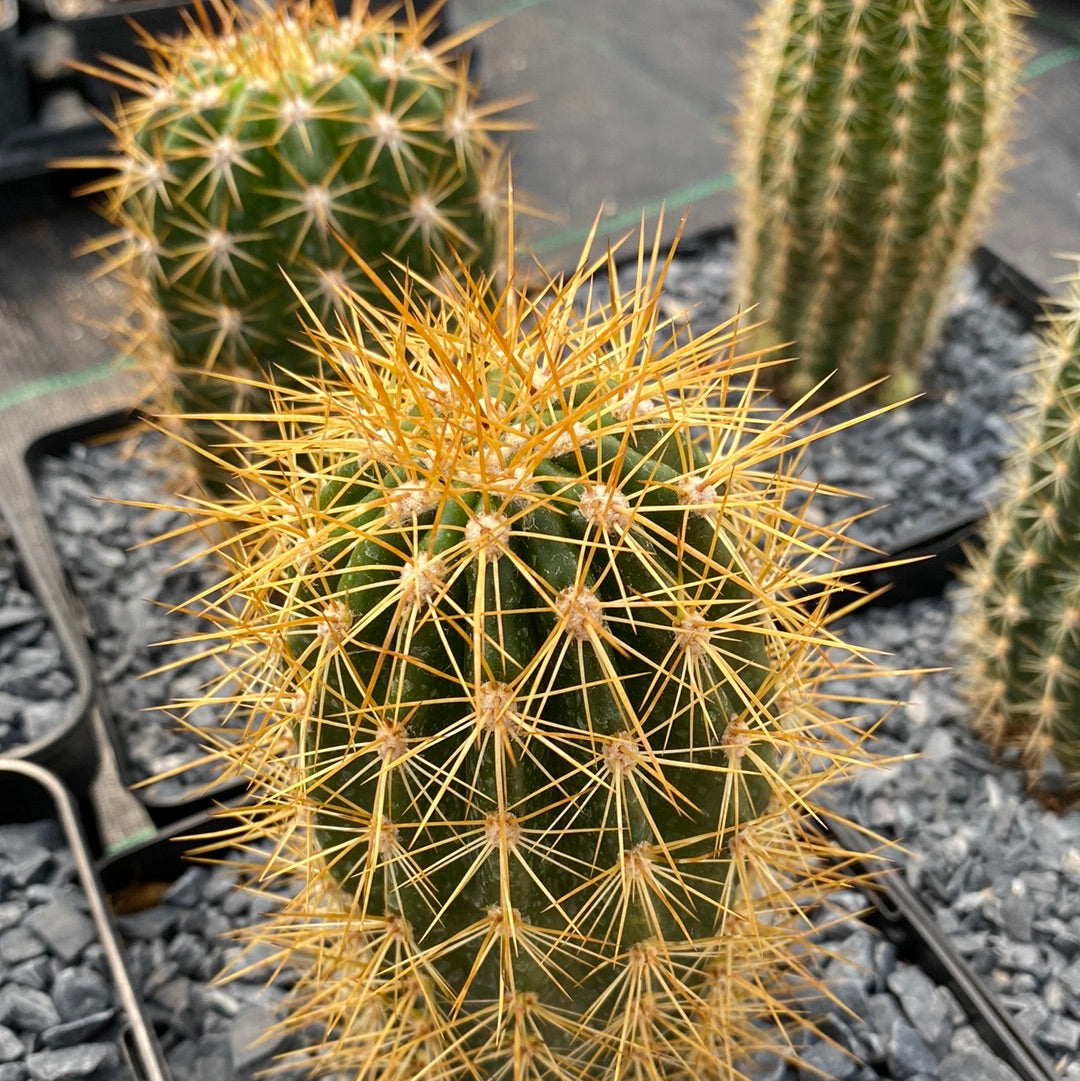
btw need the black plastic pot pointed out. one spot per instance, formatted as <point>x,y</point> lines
<point>70,750</point>
<point>14,100</point>
<point>82,751</point>
<point>31,793</point>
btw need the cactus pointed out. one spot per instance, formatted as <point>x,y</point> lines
<point>534,712</point>
<point>871,137</point>
<point>283,138</point>
<point>1022,610</point>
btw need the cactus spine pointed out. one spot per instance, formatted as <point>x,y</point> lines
<point>280,141</point>
<point>1023,619</point>
<point>534,714</point>
<point>872,135</point>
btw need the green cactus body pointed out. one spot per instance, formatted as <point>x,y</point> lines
<point>872,136</point>
<point>277,144</point>
<point>553,717</point>
<point>1022,639</point>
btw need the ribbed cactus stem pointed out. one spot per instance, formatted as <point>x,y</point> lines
<point>1023,620</point>
<point>872,135</point>
<point>531,693</point>
<point>280,144</point>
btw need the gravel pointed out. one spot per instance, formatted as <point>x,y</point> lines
<point>37,689</point>
<point>999,870</point>
<point>60,1018</point>
<point>176,948</point>
<point>90,494</point>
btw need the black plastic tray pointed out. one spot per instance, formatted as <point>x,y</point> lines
<point>30,793</point>
<point>70,750</point>
<point>83,751</point>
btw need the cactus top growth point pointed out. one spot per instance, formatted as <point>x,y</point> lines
<point>1022,632</point>
<point>534,714</point>
<point>275,138</point>
<point>872,134</point>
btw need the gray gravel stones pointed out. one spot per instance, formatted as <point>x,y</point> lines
<point>1001,872</point>
<point>130,588</point>
<point>60,1019</point>
<point>206,1031</point>
<point>37,689</point>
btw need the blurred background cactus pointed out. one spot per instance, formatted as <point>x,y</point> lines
<point>1022,635</point>
<point>871,138</point>
<point>533,712</point>
<point>277,138</point>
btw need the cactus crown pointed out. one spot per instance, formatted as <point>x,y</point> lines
<point>871,138</point>
<point>1022,614</point>
<point>276,138</point>
<point>534,715</point>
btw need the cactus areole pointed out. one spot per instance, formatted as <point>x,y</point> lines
<point>531,688</point>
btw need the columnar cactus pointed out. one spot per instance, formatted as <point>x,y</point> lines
<point>872,135</point>
<point>282,139</point>
<point>1022,639</point>
<point>535,714</point>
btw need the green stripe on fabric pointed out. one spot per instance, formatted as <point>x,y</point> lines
<point>51,384</point>
<point>1057,59</point>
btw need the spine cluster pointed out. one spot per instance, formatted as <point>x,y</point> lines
<point>872,137</point>
<point>1023,618</point>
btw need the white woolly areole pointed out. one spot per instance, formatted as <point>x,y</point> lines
<point>630,408</point>
<point>622,754</point>
<point>737,741</point>
<point>694,491</point>
<point>387,834</point>
<point>409,500</point>
<point>570,440</point>
<point>390,742</point>
<point>692,632</point>
<point>206,97</point>
<point>297,111</point>
<point>230,321</point>
<point>494,703</point>
<point>335,621</point>
<point>581,610</point>
<point>502,827</point>
<point>489,534</point>
<point>422,579</point>
<point>606,507</point>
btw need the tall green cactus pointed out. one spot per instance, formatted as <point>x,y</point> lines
<point>536,716</point>
<point>871,136</point>
<point>1022,640</point>
<point>279,141</point>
